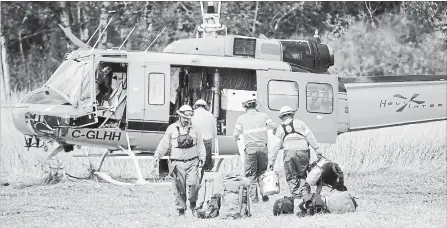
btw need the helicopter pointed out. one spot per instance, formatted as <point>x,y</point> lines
<point>124,100</point>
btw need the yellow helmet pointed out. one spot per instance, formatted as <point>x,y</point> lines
<point>285,110</point>
<point>185,111</point>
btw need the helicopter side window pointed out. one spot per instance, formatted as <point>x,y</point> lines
<point>281,93</point>
<point>156,94</point>
<point>319,98</point>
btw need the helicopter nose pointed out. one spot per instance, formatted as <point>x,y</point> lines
<point>21,119</point>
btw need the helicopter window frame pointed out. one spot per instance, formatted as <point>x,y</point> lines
<point>297,94</point>
<point>319,110</point>
<point>249,42</point>
<point>157,85</point>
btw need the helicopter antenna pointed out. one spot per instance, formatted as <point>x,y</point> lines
<point>155,39</point>
<point>102,33</point>
<point>90,39</point>
<point>126,39</point>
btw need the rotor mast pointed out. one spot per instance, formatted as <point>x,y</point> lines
<point>211,16</point>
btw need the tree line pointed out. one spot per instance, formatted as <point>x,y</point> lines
<point>368,38</point>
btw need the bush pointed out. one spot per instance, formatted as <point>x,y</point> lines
<point>366,51</point>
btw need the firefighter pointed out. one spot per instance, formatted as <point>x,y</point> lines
<point>186,159</point>
<point>253,125</point>
<point>204,122</point>
<point>103,83</point>
<point>295,137</point>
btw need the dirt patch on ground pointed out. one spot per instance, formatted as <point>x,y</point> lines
<point>390,199</point>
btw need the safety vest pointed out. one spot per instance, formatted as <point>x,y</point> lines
<point>254,126</point>
<point>290,129</point>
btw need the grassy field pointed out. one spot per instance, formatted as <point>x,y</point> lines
<point>398,174</point>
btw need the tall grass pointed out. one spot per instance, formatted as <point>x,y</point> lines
<point>420,148</point>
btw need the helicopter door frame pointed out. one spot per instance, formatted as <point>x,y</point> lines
<point>313,107</point>
<point>144,114</point>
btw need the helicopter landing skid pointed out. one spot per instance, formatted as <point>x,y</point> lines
<point>106,177</point>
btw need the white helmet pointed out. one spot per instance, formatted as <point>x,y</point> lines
<point>186,111</point>
<point>285,110</point>
<point>249,101</point>
<point>201,102</point>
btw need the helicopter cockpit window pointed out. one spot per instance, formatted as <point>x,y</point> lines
<point>73,80</point>
<point>44,97</point>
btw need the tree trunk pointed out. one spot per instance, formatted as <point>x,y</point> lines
<point>254,20</point>
<point>85,19</point>
<point>78,10</point>
<point>66,22</point>
<point>5,67</point>
<point>102,23</point>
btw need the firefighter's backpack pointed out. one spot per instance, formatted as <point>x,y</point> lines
<point>209,196</point>
<point>327,171</point>
<point>341,202</point>
<point>313,204</point>
<point>283,206</point>
<point>236,197</point>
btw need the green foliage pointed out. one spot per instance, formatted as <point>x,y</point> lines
<point>385,50</point>
<point>369,38</point>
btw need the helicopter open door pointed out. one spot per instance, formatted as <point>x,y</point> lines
<point>313,96</point>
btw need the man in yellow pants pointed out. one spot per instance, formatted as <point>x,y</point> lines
<point>296,138</point>
<point>186,160</point>
<point>253,125</point>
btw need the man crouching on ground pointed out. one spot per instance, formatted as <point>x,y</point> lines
<point>186,159</point>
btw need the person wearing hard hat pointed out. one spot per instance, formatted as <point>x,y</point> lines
<point>295,137</point>
<point>186,159</point>
<point>103,83</point>
<point>253,125</point>
<point>205,123</point>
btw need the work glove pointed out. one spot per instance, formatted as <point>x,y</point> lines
<point>201,163</point>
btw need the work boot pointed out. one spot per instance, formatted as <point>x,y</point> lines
<point>265,198</point>
<point>192,206</point>
<point>181,212</point>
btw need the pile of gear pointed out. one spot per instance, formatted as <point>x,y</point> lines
<point>232,196</point>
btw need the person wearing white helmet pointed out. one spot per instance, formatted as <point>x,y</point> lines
<point>186,159</point>
<point>205,123</point>
<point>253,125</point>
<point>295,137</point>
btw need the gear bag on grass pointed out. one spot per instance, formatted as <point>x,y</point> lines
<point>312,204</point>
<point>329,172</point>
<point>236,199</point>
<point>283,206</point>
<point>341,202</point>
<point>209,197</point>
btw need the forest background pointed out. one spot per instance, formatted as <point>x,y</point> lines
<point>368,38</point>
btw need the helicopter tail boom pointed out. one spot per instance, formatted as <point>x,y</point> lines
<point>377,104</point>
